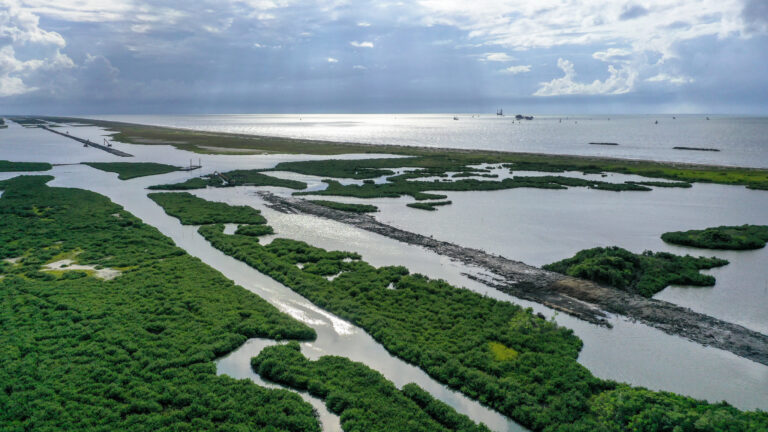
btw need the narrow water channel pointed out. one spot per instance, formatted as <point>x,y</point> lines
<point>334,335</point>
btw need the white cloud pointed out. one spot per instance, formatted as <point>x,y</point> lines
<point>497,57</point>
<point>332,60</point>
<point>514,70</point>
<point>612,55</point>
<point>620,81</point>
<point>40,51</point>
<point>523,25</point>
<point>363,24</point>
<point>364,44</point>
<point>359,67</point>
<point>672,79</point>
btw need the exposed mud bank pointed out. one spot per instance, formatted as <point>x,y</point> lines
<point>582,299</point>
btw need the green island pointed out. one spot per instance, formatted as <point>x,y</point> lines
<point>191,210</point>
<point>430,205</point>
<point>136,352</point>
<point>496,352</point>
<point>129,170</point>
<point>723,237</point>
<point>644,274</point>
<point>354,208</point>
<point>8,166</point>
<point>233,178</point>
<point>254,230</point>
<point>361,396</point>
<point>224,143</point>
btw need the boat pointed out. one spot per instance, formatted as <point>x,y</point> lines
<point>455,118</point>
<point>500,112</point>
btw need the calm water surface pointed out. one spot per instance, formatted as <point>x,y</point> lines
<point>742,141</point>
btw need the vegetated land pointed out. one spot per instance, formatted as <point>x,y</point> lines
<point>233,178</point>
<point>132,353</point>
<point>191,210</point>
<point>28,121</point>
<point>254,230</point>
<point>209,142</point>
<point>644,274</point>
<point>722,237</point>
<point>431,205</point>
<point>129,170</point>
<point>578,297</point>
<point>362,397</point>
<point>663,184</point>
<point>8,166</point>
<point>355,208</point>
<point>458,161</point>
<point>400,185</point>
<point>496,352</point>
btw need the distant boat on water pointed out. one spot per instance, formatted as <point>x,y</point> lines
<point>455,117</point>
<point>500,112</point>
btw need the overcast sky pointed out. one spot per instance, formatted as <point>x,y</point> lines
<point>254,56</point>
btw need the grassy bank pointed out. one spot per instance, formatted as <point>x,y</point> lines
<point>362,397</point>
<point>191,210</point>
<point>496,352</point>
<point>644,274</point>
<point>430,205</point>
<point>8,166</point>
<point>129,170</point>
<point>354,208</point>
<point>133,353</point>
<point>233,178</point>
<point>722,237</point>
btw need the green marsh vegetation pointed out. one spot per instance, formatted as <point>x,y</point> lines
<point>129,170</point>
<point>8,166</point>
<point>362,397</point>
<point>460,161</point>
<point>132,353</point>
<point>723,237</point>
<point>496,352</point>
<point>209,142</point>
<point>644,274</point>
<point>429,205</point>
<point>235,178</point>
<point>354,208</point>
<point>191,210</point>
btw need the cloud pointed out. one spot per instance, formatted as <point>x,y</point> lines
<point>27,51</point>
<point>755,14</point>
<point>514,70</point>
<point>364,44</point>
<point>620,81</point>
<point>612,55</point>
<point>332,60</point>
<point>359,67</point>
<point>363,24</point>
<point>671,79</point>
<point>632,12</point>
<point>497,57</point>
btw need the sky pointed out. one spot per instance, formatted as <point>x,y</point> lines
<point>341,56</point>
